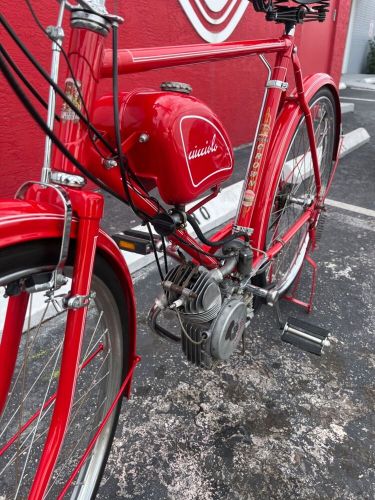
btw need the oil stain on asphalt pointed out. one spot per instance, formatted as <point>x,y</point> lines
<point>276,423</point>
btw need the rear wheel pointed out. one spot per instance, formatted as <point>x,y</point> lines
<point>296,189</point>
<point>104,359</point>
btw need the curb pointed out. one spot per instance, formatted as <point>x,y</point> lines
<point>347,107</point>
<point>354,140</point>
<point>361,85</point>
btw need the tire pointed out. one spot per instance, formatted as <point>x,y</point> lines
<point>105,350</point>
<point>297,184</point>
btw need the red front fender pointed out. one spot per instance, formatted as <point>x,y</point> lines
<point>23,221</point>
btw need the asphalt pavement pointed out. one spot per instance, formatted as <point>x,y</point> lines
<point>276,423</point>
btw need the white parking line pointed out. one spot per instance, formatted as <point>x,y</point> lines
<point>357,99</point>
<point>351,208</point>
<point>360,89</point>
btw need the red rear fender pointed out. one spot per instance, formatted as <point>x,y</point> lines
<point>286,124</point>
<point>291,112</point>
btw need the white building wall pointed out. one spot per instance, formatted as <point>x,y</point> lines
<point>361,30</point>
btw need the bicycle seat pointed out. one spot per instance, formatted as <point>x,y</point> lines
<point>280,11</point>
<point>267,5</point>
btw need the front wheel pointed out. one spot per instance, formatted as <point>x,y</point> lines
<point>296,189</point>
<point>104,360</point>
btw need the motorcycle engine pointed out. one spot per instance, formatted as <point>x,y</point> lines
<point>212,316</point>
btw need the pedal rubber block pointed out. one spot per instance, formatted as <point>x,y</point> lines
<point>318,333</point>
<point>133,241</point>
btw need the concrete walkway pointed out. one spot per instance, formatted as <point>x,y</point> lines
<point>358,81</point>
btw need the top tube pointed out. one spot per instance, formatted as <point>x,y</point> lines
<point>138,60</point>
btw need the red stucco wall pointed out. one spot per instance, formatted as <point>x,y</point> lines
<point>231,88</point>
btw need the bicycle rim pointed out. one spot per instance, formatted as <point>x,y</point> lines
<point>31,395</point>
<point>297,188</point>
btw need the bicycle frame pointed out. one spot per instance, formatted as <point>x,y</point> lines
<point>88,52</point>
<point>91,62</point>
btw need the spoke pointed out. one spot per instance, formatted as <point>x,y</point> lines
<point>82,434</point>
<point>94,332</point>
<point>50,401</point>
<point>93,384</point>
<point>82,400</point>
<point>64,466</point>
<point>37,424</point>
<point>23,447</point>
<point>23,371</point>
<point>27,425</point>
<point>31,388</point>
<point>88,354</point>
<point>298,182</point>
<point>26,438</point>
<point>26,353</point>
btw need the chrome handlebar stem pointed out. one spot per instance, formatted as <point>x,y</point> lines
<point>56,33</point>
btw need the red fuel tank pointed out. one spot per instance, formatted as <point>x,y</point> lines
<point>181,146</point>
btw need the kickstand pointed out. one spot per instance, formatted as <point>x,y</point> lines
<point>308,306</point>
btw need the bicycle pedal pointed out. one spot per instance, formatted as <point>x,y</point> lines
<point>320,227</point>
<point>134,241</point>
<point>306,336</point>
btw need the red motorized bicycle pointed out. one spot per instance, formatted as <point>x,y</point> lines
<point>68,348</point>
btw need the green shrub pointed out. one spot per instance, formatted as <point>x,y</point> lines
<point>371,57</point>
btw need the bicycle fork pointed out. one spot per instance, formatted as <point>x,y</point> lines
<point>89,208</point>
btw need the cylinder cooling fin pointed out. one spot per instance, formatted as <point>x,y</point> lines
<point>212,321</point>
<point>202,293</point>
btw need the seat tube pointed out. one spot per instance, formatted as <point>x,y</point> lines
<point>90,211</point>
<point>258,161</point>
